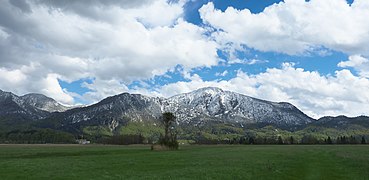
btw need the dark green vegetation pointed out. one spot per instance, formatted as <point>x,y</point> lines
<point>211,133</point>
<point>189,162</point>
<point>169,139</point>
<point>36,136</point>
<point>352,132</point>
<point>202,118</point>
<point>327,130</point>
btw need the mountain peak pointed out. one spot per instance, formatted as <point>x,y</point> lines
<point>43,102</point>
<point>36,95</point>
<point>205,105</point>
<point>5,94</point>
<point>208,90</point>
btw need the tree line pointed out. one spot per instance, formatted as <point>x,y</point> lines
<point>122,140</point>
<point>36,136</point>
<point>308,139</point>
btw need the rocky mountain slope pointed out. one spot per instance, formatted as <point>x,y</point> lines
<point>43,102</point>
<point>214,103</point>
<point>14,107</point>
<point>114,111</point>
<point>210,109</point>
<point>196,108</point>
<point>27,107</point>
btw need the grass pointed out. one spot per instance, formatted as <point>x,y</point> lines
<point>190,162</point>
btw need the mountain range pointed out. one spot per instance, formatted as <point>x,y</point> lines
<point>28,107</point>
<point>205,107</point>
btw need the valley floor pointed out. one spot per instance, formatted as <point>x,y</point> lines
<point>190,162</point>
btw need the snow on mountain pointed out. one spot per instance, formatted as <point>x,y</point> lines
<point>232,107</point>
<point>43,102</point>
<point>15,107</point>
<point>197,107</point>
<point>116,110</point>
<point>194,108</point>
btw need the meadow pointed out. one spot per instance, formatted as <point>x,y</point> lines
<point>189,162</point>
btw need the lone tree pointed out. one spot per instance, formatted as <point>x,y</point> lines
<point>167,118</point>
<point>169,140</point>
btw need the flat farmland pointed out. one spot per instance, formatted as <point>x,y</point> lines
<point>190,162</point>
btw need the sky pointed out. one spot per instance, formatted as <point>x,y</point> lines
<point>311,53</point>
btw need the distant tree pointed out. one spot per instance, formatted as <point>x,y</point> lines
<point>340,140</point>
<point>363,140</point>
<point>258,140</point>
<point>337,140</point>
<point>352,140</point>
<point>343,140</point>
<point>309,139</point>
<point>242,140</point>
<point>291,140</point>
<point>329,140</point>
<point>251,140</point>
<point>280,140</point>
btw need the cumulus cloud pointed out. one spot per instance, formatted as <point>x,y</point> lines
<point>359,63</point>
<point>114,43</point>
<point>26,79</point>
<point>147,11</point>
<point>78,5</point>
<point>247,61</point>
<point>315,94</point>
<point>224,73</point>
<point>294,27</point>
<point>117,41</point>
<point>101,89</point>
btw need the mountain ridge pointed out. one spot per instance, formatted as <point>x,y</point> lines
<point>207,115</point>
<point>15,107</point>
<point>202,107</point>
<point>196,108</point>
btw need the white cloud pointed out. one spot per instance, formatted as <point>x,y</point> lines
<point>11,76</point>
<point>50,87</point>
<point>294,26</point>
<point>313,93</point>
<point>153,15</point>
<point>108,42</point>
<point>359,63</point>
<point>224,73</point>
<point>103,88</point>
<point>25,80</point>
<point>117,42</point>
<point>247,61</point>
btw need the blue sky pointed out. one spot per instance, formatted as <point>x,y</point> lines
<point>255,6</point>
<point>313,54</point>
<point>324,64</point>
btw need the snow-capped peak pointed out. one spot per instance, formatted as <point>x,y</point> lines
<point>43,102</point>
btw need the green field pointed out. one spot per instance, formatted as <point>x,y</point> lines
<point>190,162</point>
